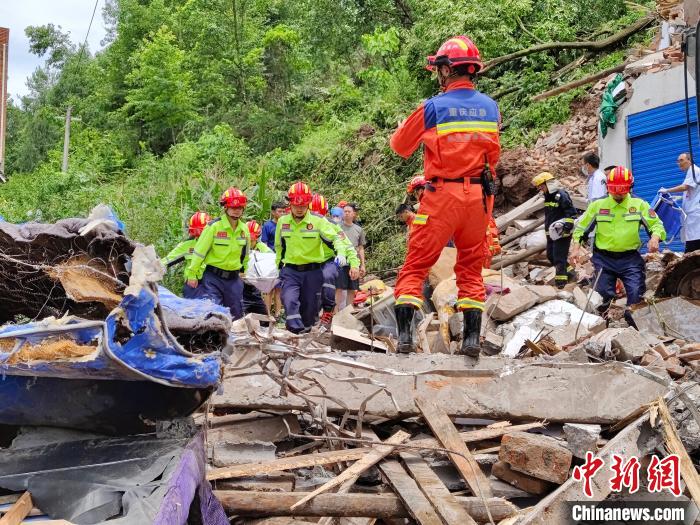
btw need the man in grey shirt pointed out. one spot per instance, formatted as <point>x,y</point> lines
<point>356,236</point>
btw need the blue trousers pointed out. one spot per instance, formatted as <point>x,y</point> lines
<point>629,269</point>
<point>226,292</point>
<point>191,293</point>
<point>330,274</point>
<point>300,296</point>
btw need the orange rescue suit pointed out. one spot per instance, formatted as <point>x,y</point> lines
<point>459,130</point>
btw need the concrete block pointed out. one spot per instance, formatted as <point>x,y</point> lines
<point>492,343</point>
<point>543,292</point>
<point>535,455</point>
<point>652,358</point>
<point>581,438</point>
<point>581,300</point>
<point>674,367</point>
<point>667,351</point>
<point>539,487</point>
<point>630,345</point>
<point>227,453</point>
<point>513,303</point>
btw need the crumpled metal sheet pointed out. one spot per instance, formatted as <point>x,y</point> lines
<point>681,278</point>
<point>129,481</point>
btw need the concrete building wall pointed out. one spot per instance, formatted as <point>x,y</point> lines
<point>649,91</point>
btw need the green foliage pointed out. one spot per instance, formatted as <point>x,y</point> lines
<point>193,96</point>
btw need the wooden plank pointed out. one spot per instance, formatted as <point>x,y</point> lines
<point>530,206</point>
<point>482,434</point>
<point>407,489</point>
<point>444,502</point>
<point>309,460</point>
<point>675,446</point>
<point>350,474</point>
<point>447,434</point>
<point>19,510</point>
<point>261,503</point>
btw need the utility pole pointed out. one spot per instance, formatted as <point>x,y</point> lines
<point>66,141</point>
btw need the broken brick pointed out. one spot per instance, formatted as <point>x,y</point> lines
<point>503,471</point>
<point>539,456</point>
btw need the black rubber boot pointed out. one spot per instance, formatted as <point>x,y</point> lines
<point>471,333</point>
<point>404,322</point>
<point>630,320</point>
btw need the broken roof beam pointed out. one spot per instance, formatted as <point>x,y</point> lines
<point>526,209</point>
<point>263,503</point>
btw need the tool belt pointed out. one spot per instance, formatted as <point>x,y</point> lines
<point>614,255</point>
<point>304,267</point>
<point>224,274</point>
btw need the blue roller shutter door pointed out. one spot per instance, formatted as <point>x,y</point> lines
<point>657,137</point>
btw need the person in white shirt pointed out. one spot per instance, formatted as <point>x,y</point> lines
<point>690,233</point>
<point>597,186</point>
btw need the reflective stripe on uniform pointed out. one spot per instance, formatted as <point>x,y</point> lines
<point>198,254</point>
<point>294,316</point>
<point>465,303</point>
<point>420,219</point>
<point>561,277</point>
<point>409,299</point>
<point>466,126</point>
<point>329,285</point>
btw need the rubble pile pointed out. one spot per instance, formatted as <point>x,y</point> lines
<point>339,428</point>
<point>558,150</point>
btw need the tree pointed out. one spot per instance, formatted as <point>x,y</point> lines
<point>160,95</point>
<point>50,40</point>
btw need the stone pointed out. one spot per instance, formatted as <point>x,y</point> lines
<point>509,305</point>
<point>630,345</point>
<point>581,300</point>
<point>690,347</point>
<point>444,267</point>
<point>492,343</point>
<point>535,455</point>
<point>539,487</point>
<point>581,438</point>
<point>674,367</point>
<point>679,314</point>
<point>455,324</point>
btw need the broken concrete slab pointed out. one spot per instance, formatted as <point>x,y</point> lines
<point>539,456</point>
<point>543,292</point>
<point>347,338</point>
<point>584,393</point>
<point>582,301</point>
<point>581,438</point>
<point>444,267</point>
<point>629,344</point>
<point>681,318</point>
<point>529,484</point>
<point>227,453</point>
<point>505,307</point>
<point>251,427</point>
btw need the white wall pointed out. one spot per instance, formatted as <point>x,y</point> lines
<point>649,91</point>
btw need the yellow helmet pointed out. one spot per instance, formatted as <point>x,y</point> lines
<point>542,178</point>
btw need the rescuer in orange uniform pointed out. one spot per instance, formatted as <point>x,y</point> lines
<point>459,130</point>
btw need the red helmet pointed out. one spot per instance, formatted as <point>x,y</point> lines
<point>342,204</point>
<point>299,194</point>
<point>456,51</point>
<point>416,182</point>
<point>319,204</point>
<point>254,229</point>
<point>197,223</point>
<point>620,180</point>
<point>233,198</point>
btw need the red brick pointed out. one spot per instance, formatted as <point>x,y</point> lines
<point>535,455</point>
<point>502,470</point>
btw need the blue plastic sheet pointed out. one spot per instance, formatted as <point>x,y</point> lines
<point>130,344</point>
<point>670,214</point>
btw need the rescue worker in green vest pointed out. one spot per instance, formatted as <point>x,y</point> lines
<point>617,219</point>
<point>223,249</point>
<point>559,215</point>
<point>183,251</point>
<point>332,261</point>
<point>299,241</point>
